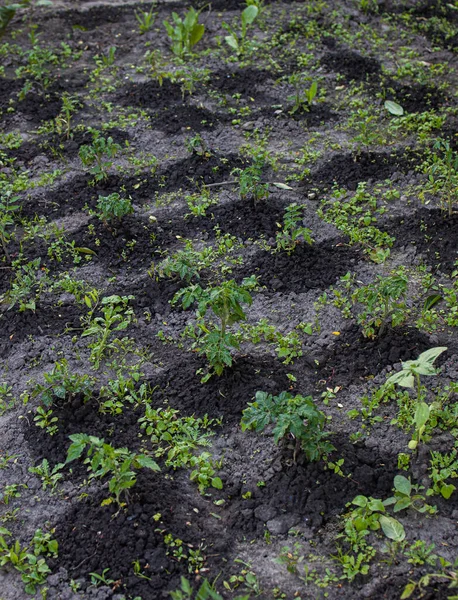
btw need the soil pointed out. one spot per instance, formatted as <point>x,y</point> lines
<point>240,109</point>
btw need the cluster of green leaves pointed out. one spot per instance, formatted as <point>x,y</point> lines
<point>112,208</point>
<point>184,33</point>
<point>443,466</point>
<point>49,477</point>
<point>250,179</point>
<point>177,439</point>
<point>224,301</point>
<point>295,417</point>
<point>356,216</point>
<point>103,459</point>
<point>409,377</point>
<point>116,316</point>
<point>26,287</point>
<point>383,302</point>
<point>98,155</point>
<point>8,207</point>
<point>61,384</point>
<point>442,170</point>
<point>237,38</point>
<point>291,233</point>
<point>303,97</point>
<point>29,560</point>
<point>206,591</point>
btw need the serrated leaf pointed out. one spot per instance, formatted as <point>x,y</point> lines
<point>394,108</point>
<point>392,528</point>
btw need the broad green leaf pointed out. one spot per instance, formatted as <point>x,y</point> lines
<point>392,528</point>
<point>232,42</point>
<point>447,490</point>
<point>421,414</point>
<point>249,14</point>
<point>394,108</point>
<point>403,485</point>
<point>402,504</point>
<point>147,462</point>
<point>196,34</point>
<point>360,501</point>
<point>217,483</point>
<point>431,354</point>
<point>412,445</point>
<point>376,504</point>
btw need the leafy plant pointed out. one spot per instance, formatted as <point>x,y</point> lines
<point>250,179</point>
<point>49,477</point>
<point>292,234</point>
<point>407,495</point>
<point>383,301</point>
<point>302,98</point>
<point>8,207</point>
<point>29,560</point>
<point>61,384</point>
<point>295,417</point>
<point>98,155</point>
<point>442,173</point>
<point>45,420</point>
<point>443,466</point>
<point>146,19</point>
<point>409,377</point>
<point>206,591</point>
<point>225,302</point>
<point>116,316</point>
<point>27,285</point>
<point>103,459</point>
<point>184,33</point>
<point>113,208</point>
<point>236,40</point>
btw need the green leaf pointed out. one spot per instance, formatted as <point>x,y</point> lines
<point>408,591</point>
<point>196,34</point>
<point>217,483</point>
<point>394,108</point>
<point>403,379</point>
<point>402,485</point>
<point>360,501</point>
<point>392,528</point>
<point>147,462</point>
<point>447,490</point>
<point>431,354</point>
<point>249,14</point>
<point>421,414</point>
<point>431,301</point>
<point>232,42</point>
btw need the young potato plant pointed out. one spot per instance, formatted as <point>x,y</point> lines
<point>409,377</point>
<point>250,179</point>
<point>294,417</point>
<point>98,155</point>
<point>302,98</point>
<point>184,33</point>
<point>225,301</point>
<point>103,459</point>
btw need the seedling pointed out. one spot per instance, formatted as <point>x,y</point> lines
<point>407,495</point>
<point>197,145</point>
<point>49,477</point>
<point>292,234</point>
<point>96,155</point>
<point>116,316</point>
<point>236,40</point>
<point>409,377</point>
<point>8,207</point>
<point>111,209</point>
<point>64,120</point>
<point>302,98</point>
<point>383,302</point>
<point>225,301</point>
<point>184,33</point>
<point>443,175</point>
<point>146,19</point>
<point>45,420</point>
<point>294,417</point>
<point>103,459</point>
<point>443,466</point>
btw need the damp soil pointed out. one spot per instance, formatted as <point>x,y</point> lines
<point>204,127</point>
